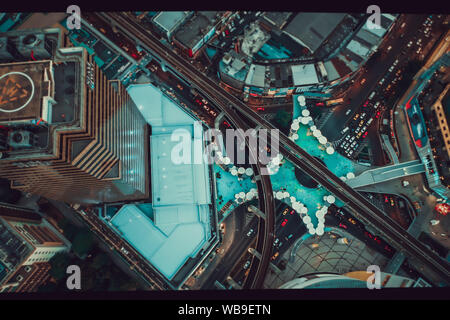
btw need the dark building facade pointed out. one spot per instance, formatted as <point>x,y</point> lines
<point>68,132</point>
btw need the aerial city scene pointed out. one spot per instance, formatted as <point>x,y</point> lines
<point>223,150</point>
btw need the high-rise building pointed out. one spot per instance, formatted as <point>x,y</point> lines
<point>26,246</point>
<point>66,132</point>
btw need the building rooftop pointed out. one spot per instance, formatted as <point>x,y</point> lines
<point>312,28</point>
<point>196,28</point>
<point>170,20</point>
<point>304,74</point>
<point>13,249</point>
<point>22,91</point>
<point>277,19</point>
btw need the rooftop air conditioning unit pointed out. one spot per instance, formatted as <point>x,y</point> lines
<point>20,139</point>
<point>34,46</point>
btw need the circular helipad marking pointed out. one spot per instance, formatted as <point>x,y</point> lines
<point>13,95</point>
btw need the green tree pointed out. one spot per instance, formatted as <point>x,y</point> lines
<point>82,243</point>
<point>282,120</point>
<point>100,261</point>
<point>59,263</point>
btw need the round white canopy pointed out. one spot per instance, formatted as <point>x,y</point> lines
<point>323,140</point>
<point>330,150</point>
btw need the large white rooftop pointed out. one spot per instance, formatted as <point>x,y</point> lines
<point>304,74</point>
<point>180,192</point>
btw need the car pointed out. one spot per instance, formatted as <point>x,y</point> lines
<point>348,112</point>
<point>363,81</point>
<point>391,68</point>
<point>381,82</point>
<point>372,94</point>
<point>419,50</point>
<point>284,222</point>
<point>409,44</point>
<point>365,134</point>
<point>247,265</point>
<point>377,240</point>
<point>392,202</point>
<point>285,211</point>
<point>250,232</point>
<point>356,116</point>
<point>344,131</point>
<point>389,48</point>
<point>275,256</point>
<point>260,108</point>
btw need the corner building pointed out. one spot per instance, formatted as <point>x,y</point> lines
<point>68,132</point>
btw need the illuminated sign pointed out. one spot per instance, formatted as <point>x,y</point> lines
<point>17,90</point>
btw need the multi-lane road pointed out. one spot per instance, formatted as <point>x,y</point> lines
<point>236,110</point>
